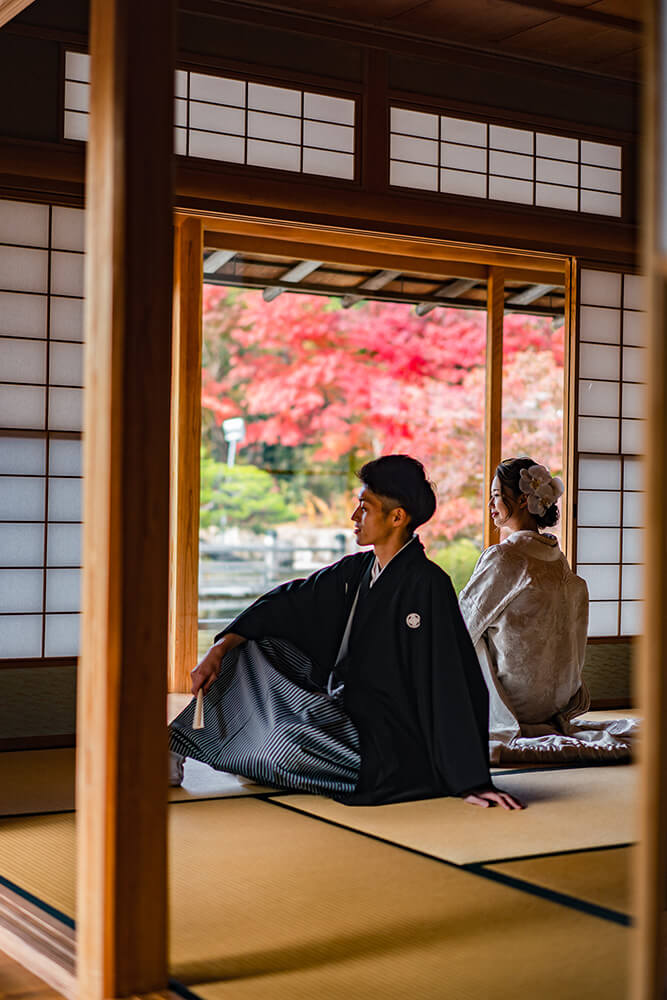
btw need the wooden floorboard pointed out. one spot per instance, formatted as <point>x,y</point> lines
<point>17,983</point>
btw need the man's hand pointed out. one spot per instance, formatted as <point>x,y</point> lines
<point>208,668</point>
<point>493,797</point>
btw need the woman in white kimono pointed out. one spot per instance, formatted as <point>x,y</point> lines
<point>527,614</point>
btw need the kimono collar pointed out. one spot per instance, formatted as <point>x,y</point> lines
<point>535,544</point>
<point>376,569</point>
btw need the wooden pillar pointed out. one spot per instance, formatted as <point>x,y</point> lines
<point>569,526</point>
<point>650,948</point>
<point>122,749</point>
<point>185,448</point>
<point>493,410</point>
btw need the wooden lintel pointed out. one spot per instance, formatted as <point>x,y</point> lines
<point>493,410</point>
<point>122,745</point>
<point>10,8</point>
<point>185,449</point>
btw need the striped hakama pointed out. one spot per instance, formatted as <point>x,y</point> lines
<point>264,719</point>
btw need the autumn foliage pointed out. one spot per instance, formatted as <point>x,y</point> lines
<point>339,386</point>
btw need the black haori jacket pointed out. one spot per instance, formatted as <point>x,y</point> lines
<point>413,685</point>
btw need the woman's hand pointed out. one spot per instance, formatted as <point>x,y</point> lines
<point>208,668</point>
<point>493,797</point>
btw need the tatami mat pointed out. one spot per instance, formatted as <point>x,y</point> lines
<point>599,877</point>
<point>42,781</point>
<point>567,810</point>
<point>268,902</point>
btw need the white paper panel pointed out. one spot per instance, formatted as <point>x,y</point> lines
<point>634,291</point>
<point>557,172</point>
<point>598,508</point>
<point>23,270</point>
<point>600,288</point>
<point>323,161</point>
<point>634,361</point>
<point>180,142</point>
<point>633,545</point>
<point>63,589</point>
<point>338,138</point>
<point>76,126</point>
<point>634,328</point>
<point>23,315</point>
<point>633,510</point>
<point>66,409</point>
<point>511,165</point>
<point>21,636</point>
<point>598,361</point>
<point>463,157</point>
<point>218,89</point>
<point>63,545</point>
<point>217,147</point>
<point>66,319</point>
<point>463,131</point>
<point>552,196</point>
<point>77,66</point>
<point>632,582</point>
<point>633,474</point>
<point>413,175</point>
<point>603,618</point>
<point>24,223</point>
<point>22,406</point>
<point>602,581</point>
<point>598,545</point>
<point>413,150</point>
<point>277,128</point>
<point>599,179</point>
<point>600,203</point>
<point>21,545</point>
<point>633,437</point>
<point>77,96</point>
<point>598,399</point>
<point>634,400</point>
<point>280,100</point>
<point>414,123</point>
<point>599,154</point>
<point>321,107</point>
<point>66,364</point>
<point>21,590</point>
<point>21,499</point>
<point>599,473</point>
<point>181,112</point>
<point>62,635</point>
<point>273,155</point>
<point>64,499</point>
<point>22,456</point>
<point>631,618</point>
<point>600,325</point>
<point>459,182</point>
<point>22,360</point>
<point>558,147</point>
<point>180,83</point>
<point>514,140</point>
<point>504,189</point>
<point>67,273</point>
<point>598,434</point>
<point>65,457</point>
<point>68,228</point>
<point>214,118</point>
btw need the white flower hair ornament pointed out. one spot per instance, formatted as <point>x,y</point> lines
<point>541,488</point>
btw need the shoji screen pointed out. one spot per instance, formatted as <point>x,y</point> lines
<point>41,333</point>
<point>611,373</point>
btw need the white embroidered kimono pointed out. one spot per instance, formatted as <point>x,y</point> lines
<point>527,614</point>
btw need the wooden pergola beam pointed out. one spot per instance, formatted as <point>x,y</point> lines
<point>122,748</point>
<point>493,410</point>
<point>185,449</point>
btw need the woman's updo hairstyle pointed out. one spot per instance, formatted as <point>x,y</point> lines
<point>509,474</point>
<point>401,480</point>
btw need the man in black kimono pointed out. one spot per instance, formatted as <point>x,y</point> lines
<point>360,681</point>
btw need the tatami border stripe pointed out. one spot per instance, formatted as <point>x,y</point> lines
<point>553,854</point>
<point>604,912</point>
<point>477,868</point>
<point>501,772</point>
<point>171,802</point>
<point>183,991</point>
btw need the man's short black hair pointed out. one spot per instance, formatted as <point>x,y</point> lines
<point>401,480</point>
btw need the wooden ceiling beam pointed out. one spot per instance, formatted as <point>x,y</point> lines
<point>582,14</point>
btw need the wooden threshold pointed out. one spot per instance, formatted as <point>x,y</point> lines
<point>39,941</point>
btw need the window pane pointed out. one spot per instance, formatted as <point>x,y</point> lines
<point>633,540</point>
<point>63,589</point>
<point>598,545</point>
<point>323,108</point>
<point>599,362</point>
<point>413,176</point>
<point>23,270</point>
<point>66,319</point>
<point>599,324</point>
<point>66,409</point>
<point>602,581</point>
<point>22,360</point>
<point>21,635</point>
<point>22,456</point>
<point>64,499</point>
<point>21,499</point>
<point>631,617</point>
<point>23,315</point>
<point>24,223</point>
<point>62,635</point>
<point>414,123</point>
<point>21,590</point>
<point>64,457</point>
<point>598,473</point>
<point>598,434</point>
<point>598,508</point>
<point>598,399</point>
<point>64,545</point>
<point>413,150</point>
<point>21,545</point>
<point>22,406</point>
<point>603,618</point>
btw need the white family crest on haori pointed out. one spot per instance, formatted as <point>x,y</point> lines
<point>541,489</point>
<point>413,620</point>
